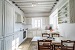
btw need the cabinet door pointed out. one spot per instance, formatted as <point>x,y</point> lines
<point>9,43</point>
<point>28,21</point>
<point>9,13</point>
<point>30,34</point>
<point>34,33</point>
<point>39,33</point>
<point>16,40</point>
<point>24,19</point>
<point>20,37</point>
<point>0,18</point>
<point>1,44</point>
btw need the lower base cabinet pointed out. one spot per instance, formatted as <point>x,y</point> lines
<point>9,43</point>
<point>1,44</point>
<point>20,37</point>
<point>12,42</point>
<point>16,41</point>
<point>31,34</point>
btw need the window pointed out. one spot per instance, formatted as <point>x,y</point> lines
<point>36,22</point>
<point>54,19</point>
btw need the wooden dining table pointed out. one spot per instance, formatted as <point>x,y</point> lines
<point>54,39</point>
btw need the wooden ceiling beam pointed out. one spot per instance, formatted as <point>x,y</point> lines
<point>34,1</point>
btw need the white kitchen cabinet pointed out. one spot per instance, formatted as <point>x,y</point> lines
<point>28,21</point>
<point>1,18</point>
<point>16,40</point>
<point>9,14</point>
<point>9,43</point>
<point>19,18</point>
<point>34,33</point>
<point>24,20</point>
<point>30,34</point>
<point>1,44</point>
<point>39,33</point>
<point>20,37</point>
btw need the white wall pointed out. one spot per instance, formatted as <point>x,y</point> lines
<point>67,30</point>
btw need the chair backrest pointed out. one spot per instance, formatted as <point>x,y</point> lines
<point>44,44</point>
<point>55,35</point>
<point>45,35</point>
<point>67,45</point>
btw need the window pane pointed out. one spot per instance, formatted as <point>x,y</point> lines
<point>37,22</point>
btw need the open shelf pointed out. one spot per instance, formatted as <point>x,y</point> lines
<point>63,14</point>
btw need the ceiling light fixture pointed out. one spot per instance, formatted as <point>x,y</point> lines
<point>33,5</point>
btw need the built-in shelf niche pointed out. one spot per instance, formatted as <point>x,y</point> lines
<point>63,14</point>
<point>19,18</point>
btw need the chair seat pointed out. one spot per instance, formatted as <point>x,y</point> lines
<point>70,45</point>
<point>44,45</point>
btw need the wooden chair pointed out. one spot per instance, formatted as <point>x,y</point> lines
<point>57,45</point>
<point>45,35</point>
<point>44,45</point>
<point>55,35</point>
<point>67,45</point>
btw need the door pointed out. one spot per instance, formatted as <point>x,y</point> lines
<point>1,44</point>
<point>9,13</point>
<point>9,43</point>
<point>16,40</point>
<point>0,18</point>
<point>20,37</point>
<point>30,34</point>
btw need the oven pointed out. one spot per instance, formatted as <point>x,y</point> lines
<point>24,34</point>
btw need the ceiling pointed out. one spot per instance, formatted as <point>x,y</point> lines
<point>36,8</point>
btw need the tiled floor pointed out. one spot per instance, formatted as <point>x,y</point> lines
<point>33,46</point>
<point>25,45</point>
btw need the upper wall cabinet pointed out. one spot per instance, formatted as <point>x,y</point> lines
<point>1,18</point>
<point>28,21</point>
<point>9,14</point>
<point>66,14</point>
<point>19,18</point>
